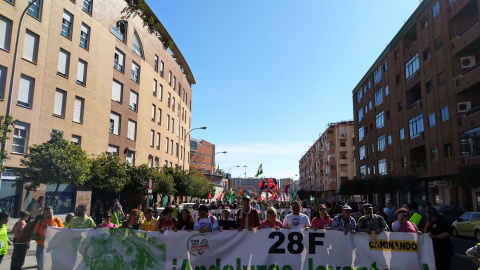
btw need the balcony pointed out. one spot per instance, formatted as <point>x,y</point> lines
<point>343,161</point>
<point>467,38</point>
<point>455,7</point>
<point>342,149</point>
<point>467,79</point>
<point>343,173</point>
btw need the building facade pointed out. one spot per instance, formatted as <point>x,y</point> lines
<point>329,161</point>
<point>94,71</point>
<point>416,108</point>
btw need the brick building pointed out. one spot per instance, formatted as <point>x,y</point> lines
<point>416,108</point>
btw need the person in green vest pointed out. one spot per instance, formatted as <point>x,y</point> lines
<point>415,217</point>
<point>81,221</point>
<point>117,214</point>
<point>4,241</point>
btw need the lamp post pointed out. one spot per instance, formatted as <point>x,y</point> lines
<point>211,173</point>
<point>245,177</point>
<point>185,144</point>
<point>231,168</point>
<point>14,64</point>
<point>229,173</point>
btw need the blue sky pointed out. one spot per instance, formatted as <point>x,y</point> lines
<point>271,74</point>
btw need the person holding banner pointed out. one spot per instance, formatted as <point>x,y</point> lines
<point>296,220</point>
<point>186,220</point>
<point>344,222</point>
<point>107,217</point>
<point>205,222</point>
<point>82,221</point>
<point>247,217</point>
<point>41,229</point>
<point>133,221</point>
<point>149,223</point>
<point>271,221</point>
<point>322,220</point>
<point>371,222</point>
<point>167,222</point>
<point>226,223</point>
<point>402,223</point>
<point>438,229</point>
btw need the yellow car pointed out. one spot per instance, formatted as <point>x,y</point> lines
<point>467,224</point>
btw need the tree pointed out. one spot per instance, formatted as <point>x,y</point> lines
<point>201,187</point>
<point>54,162</point>
<point>108,173</point>
<point>468,176</point>
<point>6,122</point>
<point>138,181</point>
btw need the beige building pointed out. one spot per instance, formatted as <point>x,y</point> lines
<point>329,161</point>
<point>95,72</point>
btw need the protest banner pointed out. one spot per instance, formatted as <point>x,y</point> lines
<point>264,249</point>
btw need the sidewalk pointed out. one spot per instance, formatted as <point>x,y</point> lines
<point>30,259</point>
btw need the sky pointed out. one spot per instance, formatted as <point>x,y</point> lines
<point>271,74</point>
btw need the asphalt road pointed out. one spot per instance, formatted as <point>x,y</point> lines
<point>459,260</point>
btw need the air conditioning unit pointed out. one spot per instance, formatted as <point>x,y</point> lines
<point>468,61</point>
<point>464,106</point>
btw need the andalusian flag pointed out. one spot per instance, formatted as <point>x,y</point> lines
<point>312,199</point>
<point>28,201</point>
<point>232,195</point>
<point>218,169</point>
<point>294,198</point>
<point>260,170</point>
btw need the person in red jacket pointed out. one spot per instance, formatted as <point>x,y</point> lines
<point>247,217</point>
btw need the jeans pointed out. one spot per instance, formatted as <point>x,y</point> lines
<point>39,255</point>
<point>1,258</point>
<point>18,256</point>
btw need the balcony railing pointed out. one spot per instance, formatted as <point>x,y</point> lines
<point>413,104</point>
<point>472,111</point>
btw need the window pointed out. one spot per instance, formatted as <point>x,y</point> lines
<point>416,126</point>
<point>25,92</point>
<point>119,29</point>
<point>174,82</point>
<point>30,46</point>
<point>154,111</point>
<point>379,120</point>
<point>441,78</point>
<point>385,66</point>
<point>426,54</point>
<point>470,142</point>
<point>132,130</point>
<point>360,114</point>
<point>130,157</point>
<point>152,137</point>
<point>361,134</point>
<point>373,148</point>
<point>424,22</point>
<point>377,74</point>
<point>35,10</point>
<point>389,139</point>
<point>154,87</point>
<point>81,72</point>
<point>112,149</point>
<point>366,109</point>
<point>382,166</point>
<point>137,45</point>
<point>5,33</point>
<point>379,97</point>
<point>159,116</point>
<point>168,122</point>
<point>176,149</point>
<point>411,66</point>
<point>178,129</point>
<point>445,115</point>
<point>369,84</point>
<point>171,147</point>
<point>173,124</point>
<point>67,24</point>
<point>173,105</point>
<point>155,65</point>
<point>386,90</point>
<point>157,163</point>
<point>160,92</point>
<point>135,72</point>
<point>20,137</point>
<point>403,160</point>
<point>169,100</point>
<point>434,154</point>
<point>59,106</point>
<point>447,150</point>
<point>438,43</point>
<point>84,36</point>
<point>119,61</point>
<point>400,106</point>
<point>158,141</point>
<point>167,143</point>
<point>363,172</point>
<point>117,90</point>
<point>78,110</point>
<point>87,6</point>
<point>114,123</point>
<point>170,78</point>
<point>402,134</point>
<point>381,143</point>
<point>359,96</point>
<point>362,152</point>
<point>429,86</point>
<point>162,66</point>
<point>132,105</point>
<point>76,140</point>
<point>63,63</point>
<point>3,80</point>
<point>436,9</point>
<point>431,119</point>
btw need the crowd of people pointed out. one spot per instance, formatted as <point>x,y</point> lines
<point>328,216</point>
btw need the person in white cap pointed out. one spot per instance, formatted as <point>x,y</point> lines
<point>344,222</point>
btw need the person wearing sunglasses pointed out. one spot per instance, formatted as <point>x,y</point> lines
<point>271,220</point>
<point>149,223</point>
<point>322,220</point>
<point>107,221</point>
<point>296,220</point>
<point>402,223</point>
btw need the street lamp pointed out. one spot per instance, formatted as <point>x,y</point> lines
<point>213,160</point>
<point>10,90</point>
<point>231,168</point>
<point>185,143</point>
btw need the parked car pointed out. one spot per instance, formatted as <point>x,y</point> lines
<point>467,224</point>
<point>449,212</point>
<point>187,205</point>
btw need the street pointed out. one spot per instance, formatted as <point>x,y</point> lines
<point>459,260</point>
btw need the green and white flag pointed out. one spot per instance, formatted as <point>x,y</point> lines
<point>28,201</point>
<point>260,170</point>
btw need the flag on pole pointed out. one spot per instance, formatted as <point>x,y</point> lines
<point>260,170</point>
<point>210,195</point>
<point>241,192</point>
<point>28,201</point>
<point>274,196</point>
<point>220,197</point>
<point>213,170</point>
<point>255,193</point>
<point>287,186</point>
<point>312,199</point>
<point>218,169</point>
<point>232,195</point>
<point>294,197</point>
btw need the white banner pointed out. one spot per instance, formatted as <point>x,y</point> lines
<point>264,249</point>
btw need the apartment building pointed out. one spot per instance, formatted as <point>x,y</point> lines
<point>329,161</point>
<point>202,155</point>
<point>416,108</point>
<point>94,71</point>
